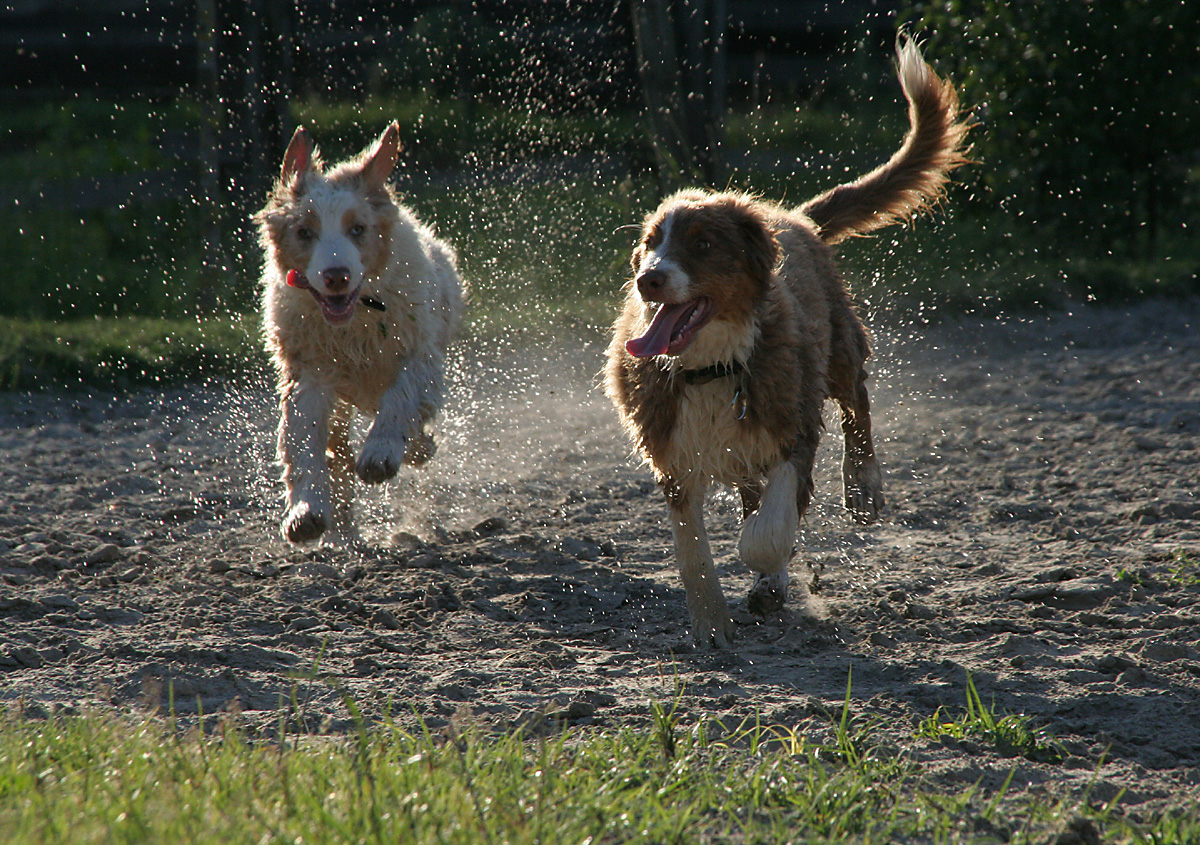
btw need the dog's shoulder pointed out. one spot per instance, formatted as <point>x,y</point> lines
<point>782,368</point>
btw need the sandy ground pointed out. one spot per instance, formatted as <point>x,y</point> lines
<point>1042,479</point>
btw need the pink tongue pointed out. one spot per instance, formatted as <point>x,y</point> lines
<point>657,338</point>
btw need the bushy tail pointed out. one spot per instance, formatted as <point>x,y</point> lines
<point>916,175</point>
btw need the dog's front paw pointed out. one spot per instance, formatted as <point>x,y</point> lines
<point>380,460</point>
<point>862,487</point>
<point>303,524</point>
<point>768,594</point>
<point>713,628</point>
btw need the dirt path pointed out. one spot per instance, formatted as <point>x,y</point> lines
<point>1043,534</point>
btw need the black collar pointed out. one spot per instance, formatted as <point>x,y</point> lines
<point>716,371</point>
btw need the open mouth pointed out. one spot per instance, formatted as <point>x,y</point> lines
<point>674,327</point>
<point>337,308</point>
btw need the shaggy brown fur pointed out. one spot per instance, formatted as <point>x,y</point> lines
<point>737,327</point>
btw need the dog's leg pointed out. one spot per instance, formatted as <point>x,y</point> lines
<point>711,622</point>
<point>862,482</point>
<point>303,435</point>
<point>341,475</point>
<point>415,396</point>
<point>751,494</point>
<point>768,537</point>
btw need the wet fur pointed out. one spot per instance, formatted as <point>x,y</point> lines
<point>388,364</point>
<point>782,312</point>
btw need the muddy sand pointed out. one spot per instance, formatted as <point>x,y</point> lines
<point>1042,537</point>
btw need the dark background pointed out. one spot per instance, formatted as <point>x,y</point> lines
<point>1087,135</point>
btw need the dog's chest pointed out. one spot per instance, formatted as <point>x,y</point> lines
<point>359,361</point>
<point>711,441</point>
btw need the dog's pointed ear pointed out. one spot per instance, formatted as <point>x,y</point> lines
<point>381,161</point>
<point>300,155</point>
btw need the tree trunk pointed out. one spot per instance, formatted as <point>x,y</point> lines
<point>681,48</point>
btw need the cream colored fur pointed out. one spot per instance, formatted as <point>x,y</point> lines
<point>709,443</point>
<point>386,363</point>
<point>768,533</point>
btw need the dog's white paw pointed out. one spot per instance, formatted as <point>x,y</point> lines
<point>769,534</point>
<point>766,542</point>
<point>303,524</point>
<point>380,459</point>
<point>768,594</point>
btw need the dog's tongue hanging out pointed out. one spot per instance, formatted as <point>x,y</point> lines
<point>671,329</point>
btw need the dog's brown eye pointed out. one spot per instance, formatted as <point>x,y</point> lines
<point>358,230</point>
<point>304,233</point>
<point>702,244</point>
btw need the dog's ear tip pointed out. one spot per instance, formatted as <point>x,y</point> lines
<point>389,141</point>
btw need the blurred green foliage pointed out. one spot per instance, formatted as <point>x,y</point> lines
<point>1088,114</point>
<point>118,352</point>
<point>1086,184</point>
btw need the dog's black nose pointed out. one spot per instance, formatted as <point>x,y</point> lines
<point>650,284</point>
<point>337,279</point>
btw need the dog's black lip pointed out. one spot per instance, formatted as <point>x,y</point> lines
<point>340,301</point>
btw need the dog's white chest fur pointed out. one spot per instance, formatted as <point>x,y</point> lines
<point>710,442</point>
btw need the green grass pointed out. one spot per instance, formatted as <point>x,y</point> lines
<point>1177,568</point>
<point>1185,571</point>
<point>86,136</point>
<point>105,778</point>
<point>1011,735</point>
<point>125,351</point>
<point>434,134</point>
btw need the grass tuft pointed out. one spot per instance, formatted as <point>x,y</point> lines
<point>1012,735</point>
<point>1185,569</point>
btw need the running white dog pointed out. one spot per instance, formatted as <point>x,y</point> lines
<point>360,302</point>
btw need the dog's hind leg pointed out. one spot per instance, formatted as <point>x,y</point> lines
<point>862,482</point>
<point>303,436</point>
<point>751,494</point>
<point>711,622</point>
<point>768,536</point>
<point>340,458</point>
